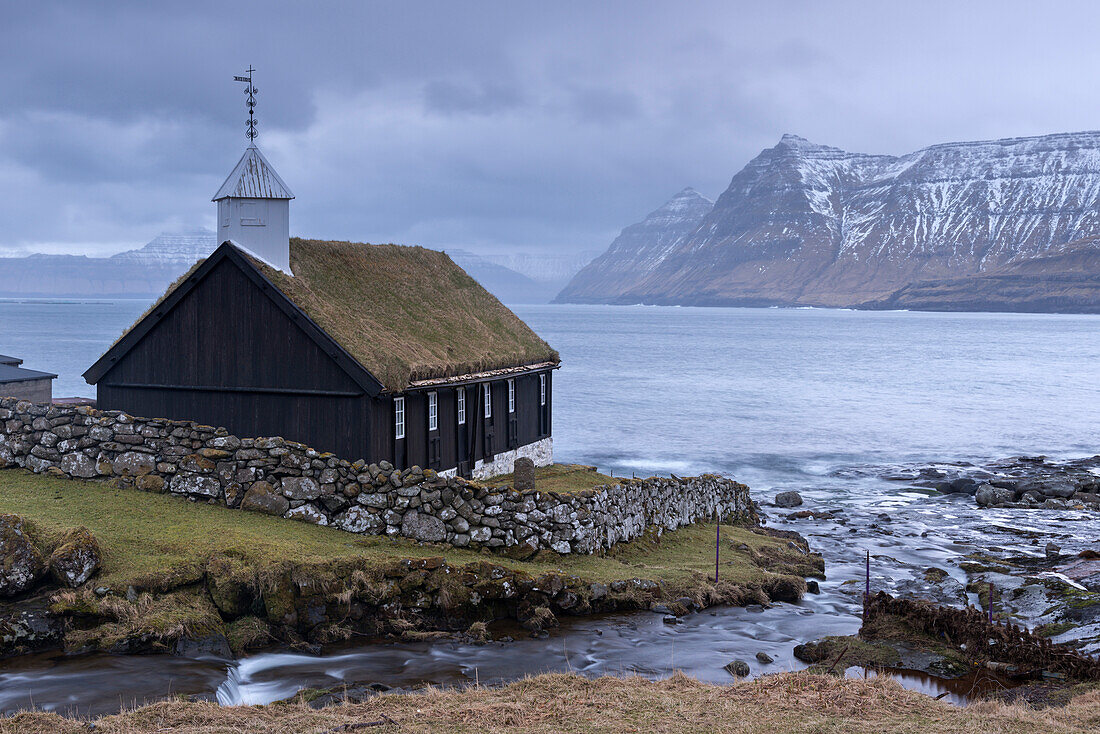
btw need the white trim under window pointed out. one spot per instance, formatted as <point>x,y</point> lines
<point>511,396</point>
<point>542,389</point>
<point>488,393</point>
<point>460,398</point>
<point>433,411</point>
<point>398,418</point>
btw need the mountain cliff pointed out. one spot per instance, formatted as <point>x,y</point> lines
<point>813,225</point>
<point>638,250</point>
<point>142,273</point>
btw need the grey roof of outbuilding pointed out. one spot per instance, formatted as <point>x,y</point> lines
<point>13,361</point>
<point>253,178</point>
<point>8,373</point>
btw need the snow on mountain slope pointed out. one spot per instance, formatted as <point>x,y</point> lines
<point>172,249</point>
<point>638,250</point>
<point>810,224</point>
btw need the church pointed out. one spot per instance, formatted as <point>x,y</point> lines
<point>374,352</point>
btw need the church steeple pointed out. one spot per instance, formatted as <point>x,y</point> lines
<point>254,202</point>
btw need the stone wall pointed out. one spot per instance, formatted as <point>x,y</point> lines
<point>288,479</point>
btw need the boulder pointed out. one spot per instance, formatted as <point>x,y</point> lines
<point>360,520</point>
<point>20,562</point>
<point>199,484</point>
<point>262,497</point>
<point>77,464</point>
<point>133,464</point>
<point>76,559</point>
<point>307,513</point>
<point>764,658</point>
<point>420,526</point>
<point>523,474</point>
<point>788,499</point>
<point>300,488</point>
<point>962,485</point>
<point>989,496</point>
<point>737,668</point>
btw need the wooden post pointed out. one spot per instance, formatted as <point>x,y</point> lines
<point>991,602</point>
<point>867,585</point>
<point>717,546</point>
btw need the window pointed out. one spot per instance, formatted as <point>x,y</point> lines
<point>511,396</point>
<point>398,418</point>
<point>461,398</point>
<point>433,411</point>
<point>542,389</point>
<point>488,392</point>
<point>251,214</point>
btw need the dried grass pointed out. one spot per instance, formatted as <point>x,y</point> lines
<point>787,702</point>
<point>405,313</point>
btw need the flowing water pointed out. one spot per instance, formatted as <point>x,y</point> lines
<point>829,403</point>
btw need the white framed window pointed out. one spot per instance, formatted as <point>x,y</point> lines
<point>542,389</point>
<point>488,393</point>
<point>511,396</point>
<point>460,398</point>
<point>433,411</point>
<point>399,418</point>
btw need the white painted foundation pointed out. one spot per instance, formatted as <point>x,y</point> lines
<point>541,452</point>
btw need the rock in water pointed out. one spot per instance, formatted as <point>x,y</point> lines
<point>764,657</point>
<point>788,499</point>
<point>738,668</point>
<point>988,495</point>
<point>76,559</point>
<point>523,474</point>
<point>20,562</point>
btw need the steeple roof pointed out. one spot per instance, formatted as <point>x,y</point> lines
<point>253,178</point>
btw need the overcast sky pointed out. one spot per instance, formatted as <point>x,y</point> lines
<point>512,126</point>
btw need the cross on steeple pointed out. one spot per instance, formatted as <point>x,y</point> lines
<point>250,90</point>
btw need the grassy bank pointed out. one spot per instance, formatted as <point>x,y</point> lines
<point>788,702</point>
<point>174,568</point>
<point>560,478</point>
<point>147,535</point>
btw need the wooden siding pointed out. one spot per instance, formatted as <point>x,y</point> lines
<point>226,355</point>
<point>417,441</point>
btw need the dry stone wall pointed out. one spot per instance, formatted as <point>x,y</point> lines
<point>288,479</point>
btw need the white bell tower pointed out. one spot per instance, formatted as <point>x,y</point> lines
<point>254,203</point>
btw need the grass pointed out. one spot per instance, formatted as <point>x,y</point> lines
<point>153,540</point>
<point>560,478</point>
<point>786,702</point>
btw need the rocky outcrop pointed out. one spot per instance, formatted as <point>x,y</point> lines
<point>75,560</point>
<point>20,561</point>
<point>287,479</point>
<point>1022,482</point>
<point>1006,225</point>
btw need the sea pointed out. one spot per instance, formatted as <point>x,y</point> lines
<point>755,393</point>
<point>825,402</point>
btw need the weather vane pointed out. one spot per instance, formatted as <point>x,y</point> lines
<point>250,131</point>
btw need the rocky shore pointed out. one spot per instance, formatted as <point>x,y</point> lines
<point>1022,482</point>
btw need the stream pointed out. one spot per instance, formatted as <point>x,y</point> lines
<point>905,529</point>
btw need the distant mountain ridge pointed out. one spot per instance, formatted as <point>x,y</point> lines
<point>1014,221</point>
<point>141,273</point>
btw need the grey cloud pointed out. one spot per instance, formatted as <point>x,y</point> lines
<point>496,124</point>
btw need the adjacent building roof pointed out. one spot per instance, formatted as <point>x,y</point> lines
<point>13,361</point>
<point>253,178</point>
<point>10,373</point>
<point>404,315</point>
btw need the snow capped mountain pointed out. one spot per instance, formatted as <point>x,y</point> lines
<point>810,224</point>
<point>141,273</point>
<point>172,249</point>
<point>638,250</point>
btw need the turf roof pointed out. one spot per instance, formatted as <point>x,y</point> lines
<point>405,313</point>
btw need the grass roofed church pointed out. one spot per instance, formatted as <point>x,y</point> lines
<point>378,352</point>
